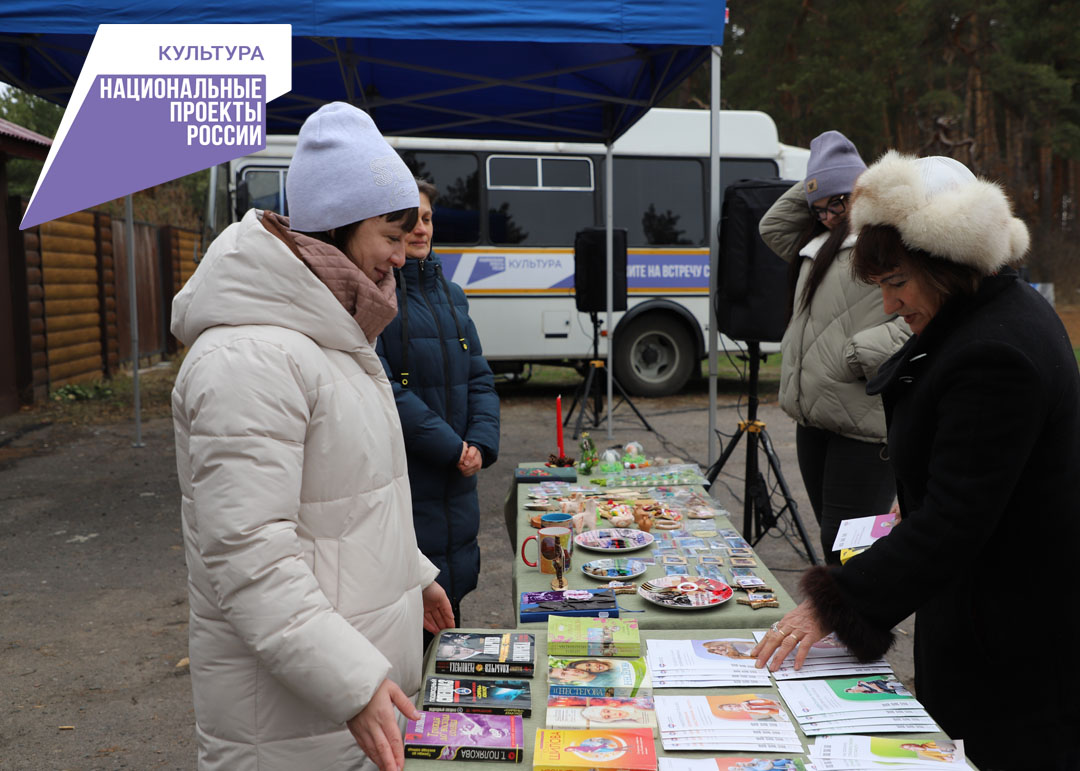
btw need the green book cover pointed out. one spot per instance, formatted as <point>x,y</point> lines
<point>592,636</point>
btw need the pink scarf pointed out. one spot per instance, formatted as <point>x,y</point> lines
<point>372,305</point>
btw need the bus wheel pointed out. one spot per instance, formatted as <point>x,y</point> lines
<point>653,356</point>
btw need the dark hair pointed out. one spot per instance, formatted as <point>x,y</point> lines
<point>880,249</point>
<point>824,258</point>
<point>428,189</point>
<point>339,237</point>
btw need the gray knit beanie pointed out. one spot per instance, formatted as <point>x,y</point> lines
<point>833,167</point>
<point>343,171</point>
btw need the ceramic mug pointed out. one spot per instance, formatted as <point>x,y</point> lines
<point>554,546</point>
<point>556,519</point>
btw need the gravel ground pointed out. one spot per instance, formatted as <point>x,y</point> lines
<point>93,601</point>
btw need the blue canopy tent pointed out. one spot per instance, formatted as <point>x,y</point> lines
<point>509,69</point>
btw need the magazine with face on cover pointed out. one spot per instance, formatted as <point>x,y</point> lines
<point>905,753</point>
<point>743,721</point>
<point>851,695</point>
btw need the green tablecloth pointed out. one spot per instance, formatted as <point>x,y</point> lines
<point>539,702</point>
<point>730,615</point>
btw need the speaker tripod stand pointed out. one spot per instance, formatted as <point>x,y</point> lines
<point>758,514</point>
<point>592,389</point>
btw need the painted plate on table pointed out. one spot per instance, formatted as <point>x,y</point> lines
<point>685,592</point>
<point>540,504</point>
<point>614,568</point>
<point>615,539</point>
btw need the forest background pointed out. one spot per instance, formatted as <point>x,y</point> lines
<point>993,84</point>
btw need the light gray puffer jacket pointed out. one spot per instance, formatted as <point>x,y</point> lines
<point>304,577</point>
<point>833,347</point>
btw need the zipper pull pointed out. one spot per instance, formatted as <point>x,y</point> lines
<point>464,344</point>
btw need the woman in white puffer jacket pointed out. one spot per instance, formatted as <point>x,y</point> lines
<point>306,588</point>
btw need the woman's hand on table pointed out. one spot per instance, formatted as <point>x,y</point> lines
<point>375,727</point>
<point>800,627</point>
<point>438,613</point>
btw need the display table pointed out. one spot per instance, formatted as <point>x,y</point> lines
<point>730,615</point>
<point>539,686</point>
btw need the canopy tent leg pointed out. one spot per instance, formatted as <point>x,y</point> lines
<point>133,304</point>
<point>609,235</point>
<point>715,199</point>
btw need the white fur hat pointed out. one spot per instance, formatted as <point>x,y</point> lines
<point>343,171</point>
<point>940,207</point>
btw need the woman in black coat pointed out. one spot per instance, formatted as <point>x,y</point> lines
<point>983,409</point>
<point>448,406</point>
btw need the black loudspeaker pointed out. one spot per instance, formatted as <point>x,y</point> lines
<point>590,270</point>
<point>751,282</point>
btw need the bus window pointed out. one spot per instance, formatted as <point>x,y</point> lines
<point>539,201</point>
<point>265,189</point>
<point>456,175</point>
<point>660,201</point>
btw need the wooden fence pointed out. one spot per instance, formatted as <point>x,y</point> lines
<point>75,296</point>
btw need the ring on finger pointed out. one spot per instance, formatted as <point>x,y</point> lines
<point>776,628</point>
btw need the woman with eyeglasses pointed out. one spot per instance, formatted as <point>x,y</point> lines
<point>837,336</point>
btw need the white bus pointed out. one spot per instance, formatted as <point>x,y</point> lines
<point>507,216</point>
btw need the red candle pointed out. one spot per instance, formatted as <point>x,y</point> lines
<point>558,424</point>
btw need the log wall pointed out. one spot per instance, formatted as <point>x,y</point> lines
<point>75,295</point>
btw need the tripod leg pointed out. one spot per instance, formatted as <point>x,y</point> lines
<point>714,469</point>
<point>584,403</point>
<point>618,385</point>
<point>774,463</point>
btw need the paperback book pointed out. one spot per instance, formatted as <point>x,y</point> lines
<point>598,676</point>
<point>504,653</point>
<point>733,764</point>
<point>592,636</point>
<point>628,749</point>
<point>462,736</point>
<point>489,697</point>
<point>538,606</point>
<point>600,712</point>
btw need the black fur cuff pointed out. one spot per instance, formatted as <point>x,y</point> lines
<point>865,640</point>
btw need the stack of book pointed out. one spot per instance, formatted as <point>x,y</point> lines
<point>851,753</point>
<point>457,736</point>
<point>593,636</point>
<point>827,658</point>
<point>744,721</point>
<point>874,704</point>
<point>703,663</point>
<point>629,749</point>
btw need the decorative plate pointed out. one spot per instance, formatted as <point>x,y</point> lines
<point>605,569</point>
<point>613,539</point>
<point>685,592</point>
